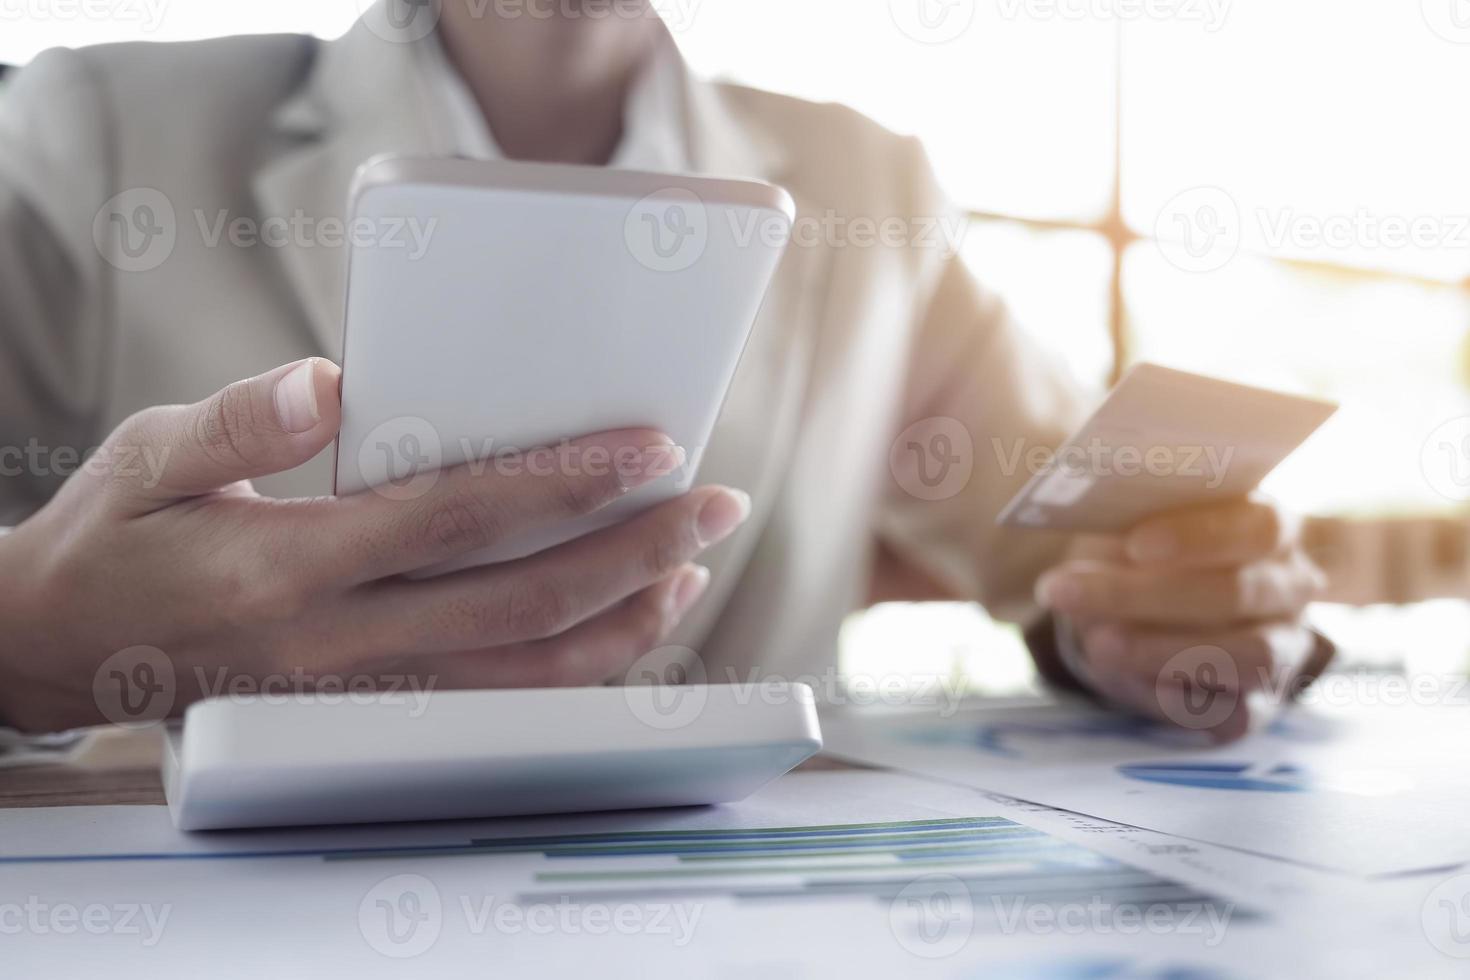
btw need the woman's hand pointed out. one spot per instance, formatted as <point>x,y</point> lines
<point>1190,614</point>
<point>160,541</point>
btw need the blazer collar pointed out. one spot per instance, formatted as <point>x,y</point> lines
<point>367,94</point>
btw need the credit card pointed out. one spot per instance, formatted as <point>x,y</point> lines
<point>1162,440</point>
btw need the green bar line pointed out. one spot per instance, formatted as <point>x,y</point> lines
<point>746,831</point>
<point>574,844</point>
<point>1003,849</point>
<point>825,869</point>
<point>813,844</point>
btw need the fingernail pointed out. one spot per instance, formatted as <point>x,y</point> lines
<point>1058,590</point>
<point>690,587</point>
<point>295,396</point>
<point>658,461</point>
<point>721,515</point>
<point>1152,544</point>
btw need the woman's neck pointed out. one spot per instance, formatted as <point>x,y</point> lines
<point>550,78</point>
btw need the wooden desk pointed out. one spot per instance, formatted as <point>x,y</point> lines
<point>114,767</point>
<point>121,767</point>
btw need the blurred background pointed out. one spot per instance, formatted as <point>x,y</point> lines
<point>1277,193</point>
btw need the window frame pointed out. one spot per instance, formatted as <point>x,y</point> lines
<point>1119,237</point>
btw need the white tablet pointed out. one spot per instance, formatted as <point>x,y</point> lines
<point>336,759</point>
<point>537,304</point>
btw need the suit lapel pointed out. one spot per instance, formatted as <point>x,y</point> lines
<point>365,97</point>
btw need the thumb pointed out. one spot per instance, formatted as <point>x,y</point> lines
<point>262,425</point>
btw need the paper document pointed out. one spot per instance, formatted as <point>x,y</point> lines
<point>821,874</point>
<point>1376,793</point>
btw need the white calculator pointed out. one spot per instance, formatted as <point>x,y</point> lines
<point>336,759</point>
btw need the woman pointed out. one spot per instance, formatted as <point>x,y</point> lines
<point>875,368</point>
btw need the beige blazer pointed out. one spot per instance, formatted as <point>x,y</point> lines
<point>859,339</point>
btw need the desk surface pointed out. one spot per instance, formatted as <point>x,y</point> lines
<point>121,767</point>
<point>113,767</point>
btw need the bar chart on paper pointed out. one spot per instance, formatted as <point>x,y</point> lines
<point>994,858</point>
<point>880,867</point>
<point>809,836</point>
